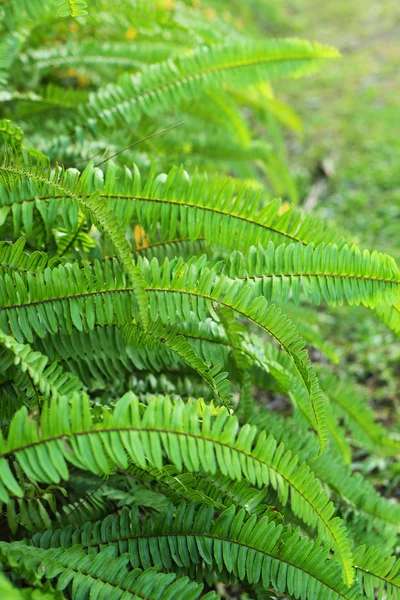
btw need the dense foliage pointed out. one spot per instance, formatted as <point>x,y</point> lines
<point>164,431</point>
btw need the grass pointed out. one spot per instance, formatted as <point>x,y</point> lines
<point>350,112</point>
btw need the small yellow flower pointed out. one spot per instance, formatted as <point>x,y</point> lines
<point>131,34</point>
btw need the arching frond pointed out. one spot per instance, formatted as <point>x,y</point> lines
<point>49,378</point>
<point>165,84</point>
<point>174,293</point>
<point>101,575</point>
<point>326,272</point>
<point>250,549</point>
<point>352,488</point>
<point>180,207</point>
<point>177,343</point>
<point>176,431</point>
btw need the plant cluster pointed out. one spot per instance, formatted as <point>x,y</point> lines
<point>164,431</point>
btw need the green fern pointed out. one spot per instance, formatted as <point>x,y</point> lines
<point>326,272</point>
<point>250,549</point>
<point>69,565</point>
<point>266,464</point>
<point>73,8</point>
<point>170,423</point>
<point>204,69</point>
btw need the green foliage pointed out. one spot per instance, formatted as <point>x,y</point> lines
<point>153,322</point>
<point>73,8</point>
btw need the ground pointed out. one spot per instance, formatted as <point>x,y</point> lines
<point>351,115</point>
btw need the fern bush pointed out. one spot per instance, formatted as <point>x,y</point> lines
<point>152,315</point>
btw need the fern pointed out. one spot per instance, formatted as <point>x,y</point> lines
<point>250,549</point>
<point>167,83</point>
<point>266,464</point>
<point>170,422</point>
<point>73,8</point>
<point>51,381</point>
<point>146,584</point>
<point>325,272</point>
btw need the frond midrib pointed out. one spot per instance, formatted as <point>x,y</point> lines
<point>131,290</point>
<point>322,274</point>
<point>162,201</point>
<point>217,538</point>
<point>204,72</point>
<point>381,577</point>
<point>67,435</point>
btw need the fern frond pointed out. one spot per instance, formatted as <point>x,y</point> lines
<point>71,8</point>
<point>198,294</point>
<point>102,576</point>
<point>14,169</point>
<point>352,489</point>
<point>326,272</point>
<point>390,316</point>
<point>174,294</point>
<point>13,258</point>
<point>88,53</point>
<point>176,431</point>
<point>36,511</point>
<point>219,491</point>
<point>51,379</point>
<point>378,573</point>
<point>106,222</point>
<point>252,550</point>
<point>160,334</point>
<point>164,85</point>
<point>181,208</point>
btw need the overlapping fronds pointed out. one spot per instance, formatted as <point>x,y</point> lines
<point>352,489</point>
<point>126,435</point>
<point>14,169</point>
<point>159,334</point>
<point>101,576</point>
<point>54,299</point>
<point>184,208</point>
<point>250,549</point>
<point>162,426</point>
